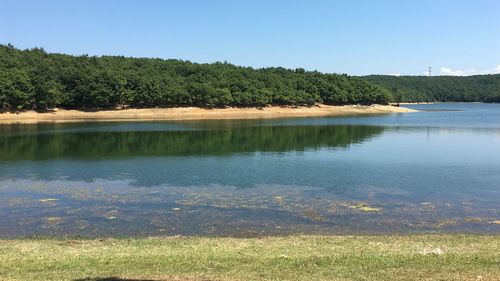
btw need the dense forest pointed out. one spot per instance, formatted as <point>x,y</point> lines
<point>35,79</point>
<point>480,88</point>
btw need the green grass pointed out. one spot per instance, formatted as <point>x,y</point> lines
<point>464,257</point>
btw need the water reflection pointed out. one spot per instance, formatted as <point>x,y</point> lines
<point>44,142</point>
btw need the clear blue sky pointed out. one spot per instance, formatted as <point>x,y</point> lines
<point>350,36</point>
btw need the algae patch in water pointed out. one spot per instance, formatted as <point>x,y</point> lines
<point>51,222</point>
<point>363,207</point>
<point>312,214</point>
<point>445,223</point>
<point>111,215</point>
<point>473,219</point>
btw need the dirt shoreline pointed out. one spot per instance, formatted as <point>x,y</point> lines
<point>194,113</point>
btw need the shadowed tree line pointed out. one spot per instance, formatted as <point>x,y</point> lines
<point>36,80</point>
<point>478,88</point>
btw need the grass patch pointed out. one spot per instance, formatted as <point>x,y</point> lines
<point>413,257</point>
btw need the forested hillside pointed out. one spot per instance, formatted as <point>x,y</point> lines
<point>483,88</point>
<point>35,79</point>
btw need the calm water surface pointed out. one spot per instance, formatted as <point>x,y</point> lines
<point>436,170</point>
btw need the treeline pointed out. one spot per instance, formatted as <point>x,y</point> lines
<point>478,88</point>
<point>36,80</point>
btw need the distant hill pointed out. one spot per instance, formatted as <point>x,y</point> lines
<point>35,79</point>
<point>478,88</point>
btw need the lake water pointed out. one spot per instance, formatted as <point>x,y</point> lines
<point>436,170</point>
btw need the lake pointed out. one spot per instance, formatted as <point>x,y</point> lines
<point>436,170</point>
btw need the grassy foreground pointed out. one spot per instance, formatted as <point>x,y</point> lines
<point>462,257</point>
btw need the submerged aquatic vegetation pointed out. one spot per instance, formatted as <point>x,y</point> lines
<point>51,222</point>
<point>474,219</point>
<point>278,199</point>
<point>368,209</point>
<point>111,215</point>
<point>445,223</point>
<point>363,207</point>
<point>313,214</point>
<point>115,209</point>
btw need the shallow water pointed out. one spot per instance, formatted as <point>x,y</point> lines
<point>436,170</point>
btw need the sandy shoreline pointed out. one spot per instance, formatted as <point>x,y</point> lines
<point>194,113</point>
